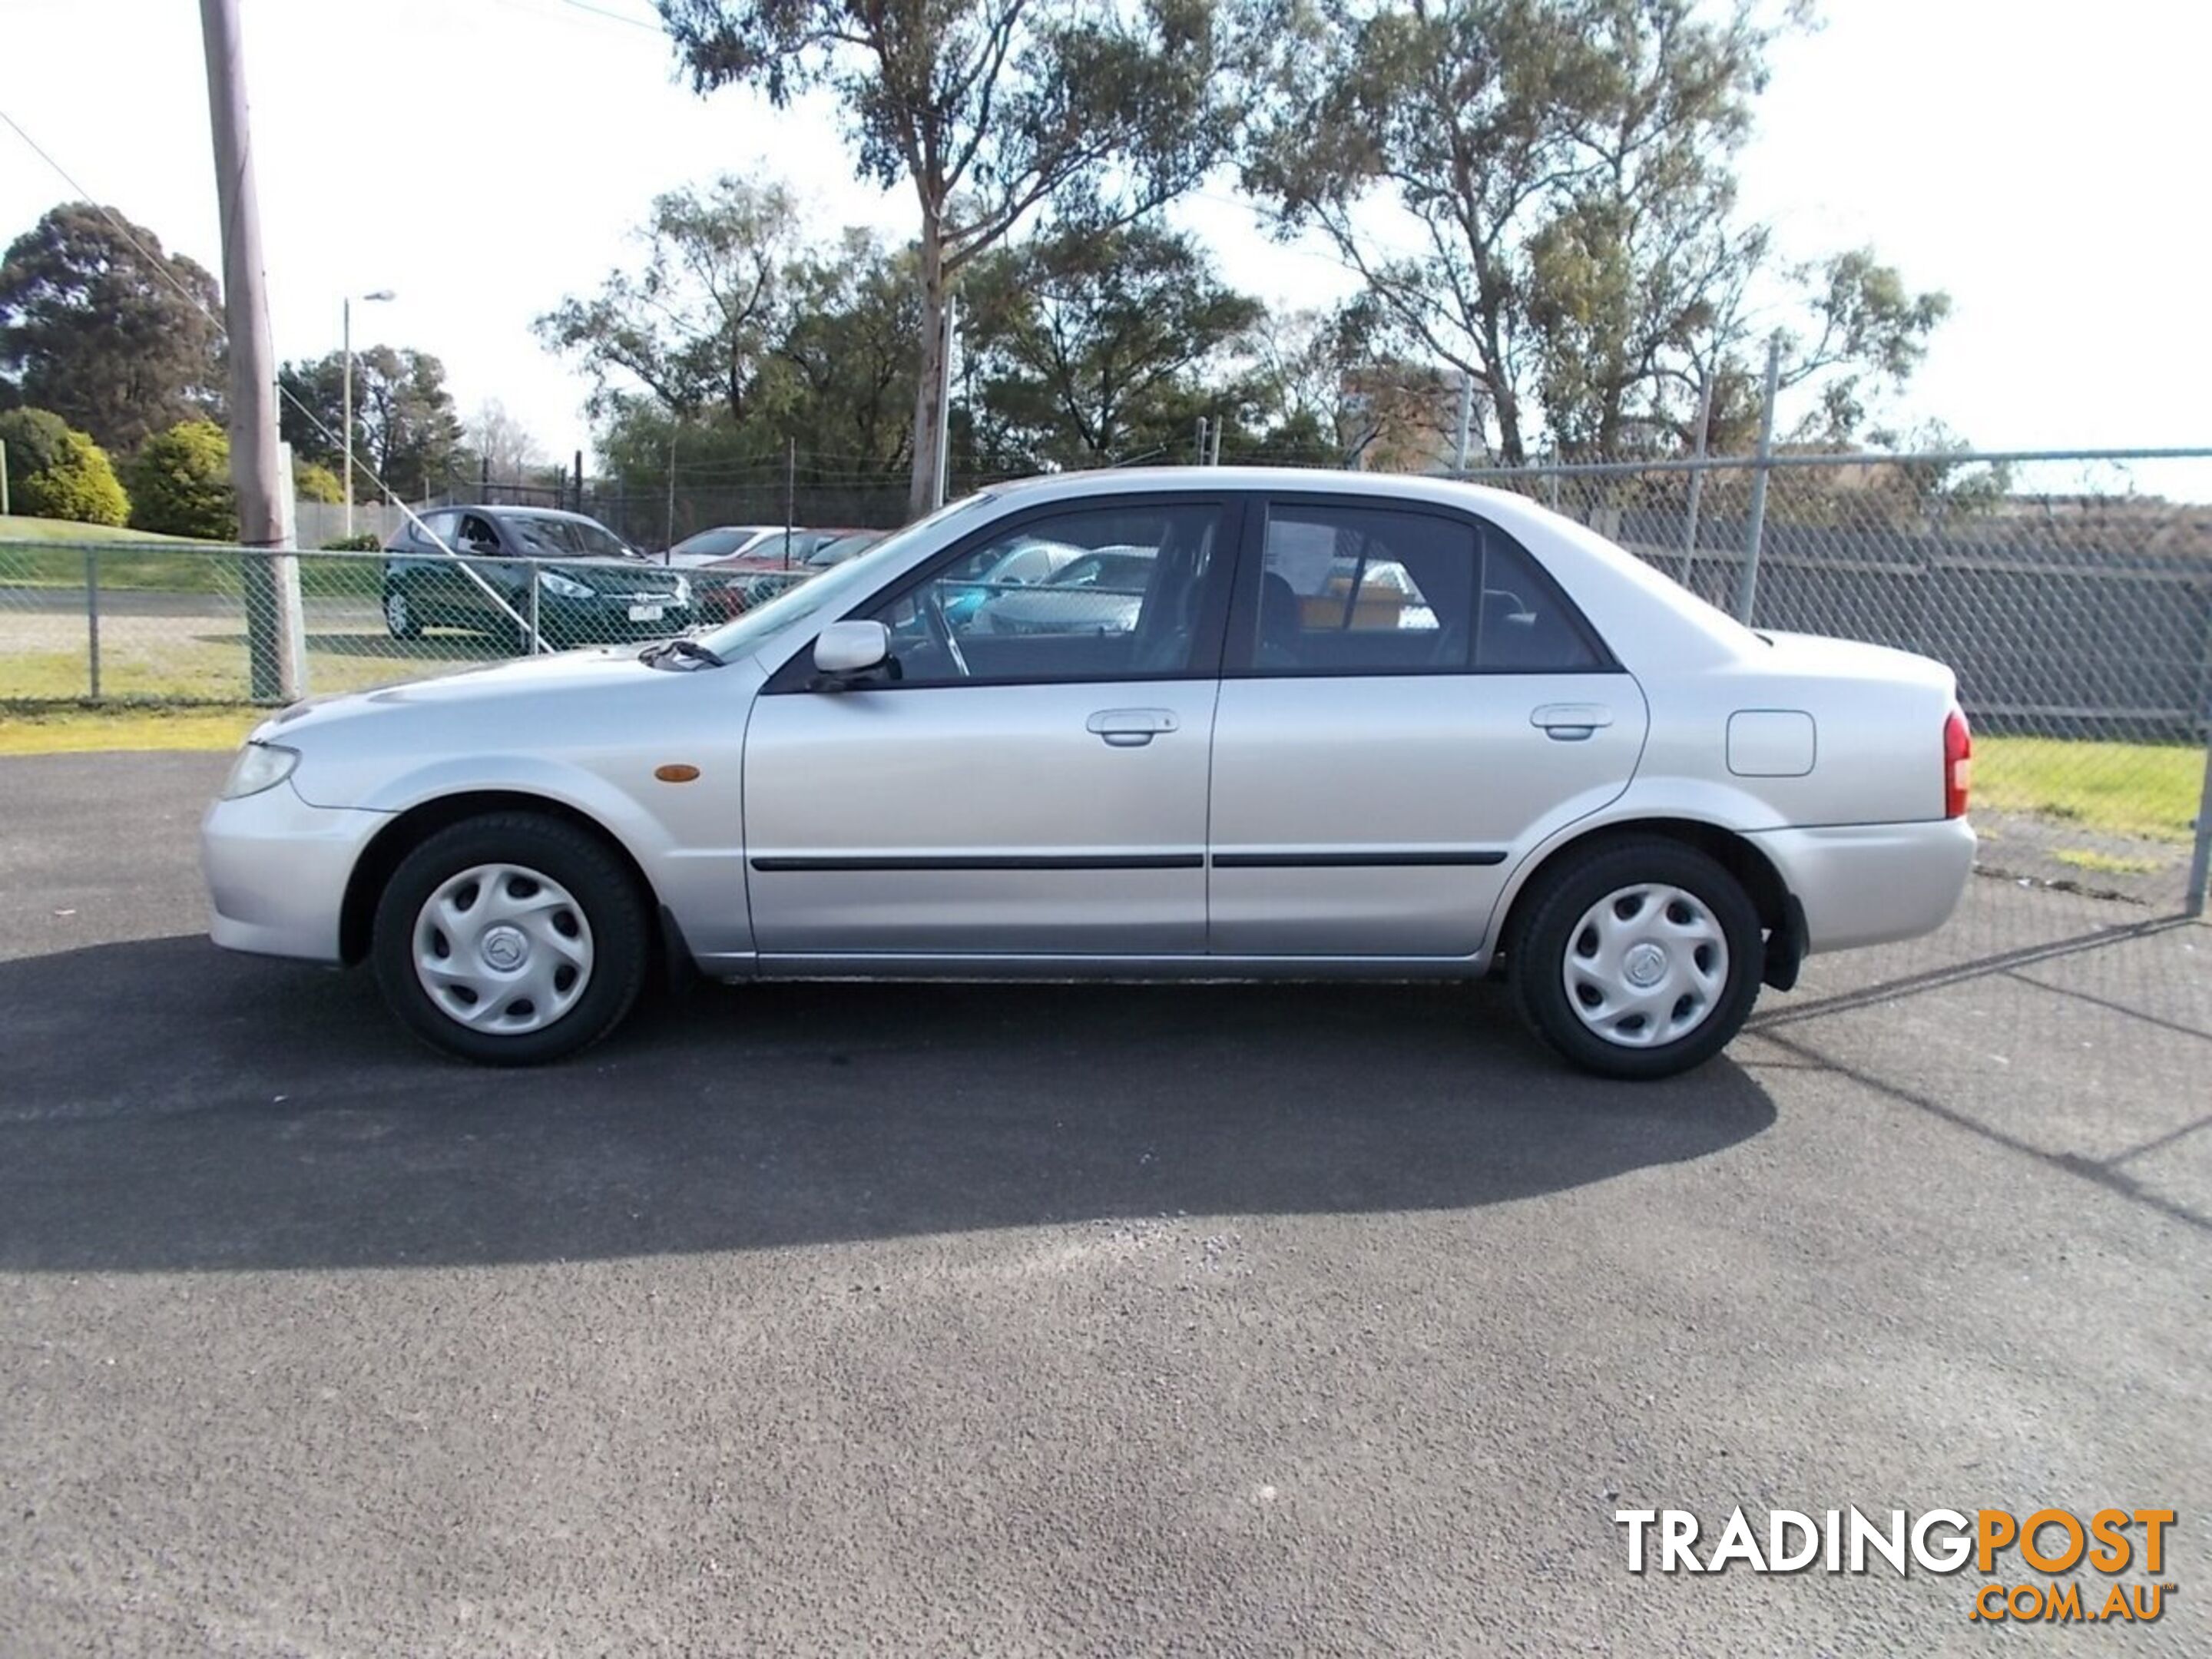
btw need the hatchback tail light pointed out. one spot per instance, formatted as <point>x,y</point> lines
<point>1957,764</point>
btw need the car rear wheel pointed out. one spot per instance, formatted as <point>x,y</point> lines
<point>399,618</point>
<point>511,939</point>
<point>1638,959</point>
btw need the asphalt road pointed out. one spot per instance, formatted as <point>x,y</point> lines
<point>1054,1319</point>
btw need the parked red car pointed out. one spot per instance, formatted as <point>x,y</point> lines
<point>730,585</point>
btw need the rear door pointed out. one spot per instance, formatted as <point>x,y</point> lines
<point>1040,793</point>
<point>432,578</point>
<point>1406,697</point>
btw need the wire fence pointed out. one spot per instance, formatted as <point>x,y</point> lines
<point>2072,595</point>
<point>645,512</point>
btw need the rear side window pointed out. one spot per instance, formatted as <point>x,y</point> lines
<point>1523,623</point>
<point>1368,590</point>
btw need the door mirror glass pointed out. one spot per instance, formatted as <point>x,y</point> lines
<point>845,648</point>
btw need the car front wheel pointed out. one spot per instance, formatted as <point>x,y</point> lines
<point>511,939</point>
<point>399,618</point>
<point>1638,959</point>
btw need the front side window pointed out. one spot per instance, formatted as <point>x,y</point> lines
<point>1357,589</point>
<point>1106,592</point>
<point>806,603</point>
<point>565,538</point>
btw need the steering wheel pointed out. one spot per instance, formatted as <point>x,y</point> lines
<point>940,630</point>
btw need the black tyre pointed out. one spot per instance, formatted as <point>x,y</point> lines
<point>401,620</point>
<point>511,939</point>
<point>1638,959</point>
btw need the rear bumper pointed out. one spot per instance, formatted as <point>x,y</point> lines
<point>1870,883</point>
<point>277,871</point>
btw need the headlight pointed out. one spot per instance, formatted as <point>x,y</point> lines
<point>563,586</point>
<point>259,766</point>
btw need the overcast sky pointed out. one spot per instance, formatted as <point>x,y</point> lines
<point>484,157</point>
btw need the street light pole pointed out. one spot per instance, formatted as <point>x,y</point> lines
<point>346,307</point>
<point>346,351</point>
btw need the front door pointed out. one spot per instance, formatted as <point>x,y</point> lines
<point>433,580</point>
<point>483,581</point>
<point>1033,781</point>
<point>1406,697</point>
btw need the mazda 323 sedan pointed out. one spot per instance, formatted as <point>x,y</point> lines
<point>1342,725</point>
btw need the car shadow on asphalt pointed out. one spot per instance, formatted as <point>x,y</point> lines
<point>172,1106</point>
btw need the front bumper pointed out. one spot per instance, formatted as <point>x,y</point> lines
<point>1870,883</point>
<point>277,871</point>
<point>566,622</point>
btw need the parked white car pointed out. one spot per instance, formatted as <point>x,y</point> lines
<point>1517,748</point>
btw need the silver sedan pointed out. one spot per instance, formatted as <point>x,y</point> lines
<point>1349,725</point>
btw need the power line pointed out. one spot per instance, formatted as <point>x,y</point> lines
<point>160,265</point>
<point>612,16</point>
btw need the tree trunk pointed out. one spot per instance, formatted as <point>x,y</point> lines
<point>1511,450</point>
<point>929,412</point>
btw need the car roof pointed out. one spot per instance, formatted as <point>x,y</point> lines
<point>517,509</point>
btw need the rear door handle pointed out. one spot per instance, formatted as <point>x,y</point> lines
<point>1570,722</point>
<point>1131,728</point>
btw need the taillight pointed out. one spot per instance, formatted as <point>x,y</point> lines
<point>1958,765</point>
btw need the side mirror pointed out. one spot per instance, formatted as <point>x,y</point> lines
<point>846,648</point>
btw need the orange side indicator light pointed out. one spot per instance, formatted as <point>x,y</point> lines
<point>675,772</point>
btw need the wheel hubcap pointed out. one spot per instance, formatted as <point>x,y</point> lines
<point>395,613</point>
<point>503,948</point>
<point>1646,965</point>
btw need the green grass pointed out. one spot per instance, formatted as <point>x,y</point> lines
<point>203,658</point>
<point>2106,864</point>
<point>84,729</point>
<point>2148,790</point>
<point>16,528</point>
<point>130,561</point>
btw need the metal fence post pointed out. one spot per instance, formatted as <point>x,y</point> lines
<point>92,617</point>
<point>1697,478</point>
<point>1747,592</point>
<point>537,639</point>
<point>2200,861</point>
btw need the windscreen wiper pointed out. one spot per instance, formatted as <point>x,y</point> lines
<point>689,651</point>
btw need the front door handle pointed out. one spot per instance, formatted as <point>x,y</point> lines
<point>1570,722</point>
<point>1131,728</point>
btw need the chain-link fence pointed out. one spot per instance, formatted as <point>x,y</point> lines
<point>2073,597</point>
<point>116,622</point>
<point>653,513</point>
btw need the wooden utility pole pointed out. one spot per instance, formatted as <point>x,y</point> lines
<point>271,584</point>
<point>941,462</point>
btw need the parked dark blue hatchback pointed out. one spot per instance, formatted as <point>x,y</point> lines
<point>509,567</point>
